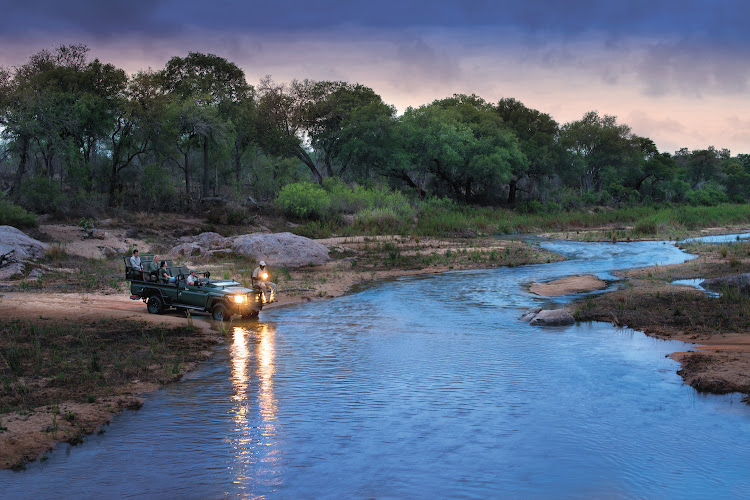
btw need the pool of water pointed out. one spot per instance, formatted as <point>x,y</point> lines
<point>423,387</point>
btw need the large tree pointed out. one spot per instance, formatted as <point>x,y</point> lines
<point>596,144</point>
<point>214,86</point>
<point>463,146</point>
<point>537,136</point>
<point>280,122</point>
<point>60,97</point>
<point>328,108</point>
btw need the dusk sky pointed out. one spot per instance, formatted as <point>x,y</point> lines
<point>676,71</point>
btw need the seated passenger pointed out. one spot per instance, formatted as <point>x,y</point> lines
<point>135,263</point>
<point>192,279</point>
<point>260,278</point>
<point>152,268</point>
<point>164,275</point>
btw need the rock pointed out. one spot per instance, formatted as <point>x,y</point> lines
<point>207,240</point>
<point>740,282</point>
<point>110,252</point>
<point>530,314</point>
<point>219,253</point>
<point>554,317</point>
<point>277,249</point>
<point>16,245</point>
<point>12,271</point>
<point>98,234</point>
<point>281,249</point>
<point>36,273</point>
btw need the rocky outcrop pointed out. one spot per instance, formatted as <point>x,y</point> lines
<point>548,317</point>
<point>739,282</point>
<point>16,247</point>
<point>277,249</point>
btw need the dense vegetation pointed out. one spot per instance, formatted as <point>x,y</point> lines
<point>80,136</point>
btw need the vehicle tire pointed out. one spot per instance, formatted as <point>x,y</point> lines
<point>155,305</point>
<point>219,312</point>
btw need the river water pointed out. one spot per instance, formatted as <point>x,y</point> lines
<point>423,387</point>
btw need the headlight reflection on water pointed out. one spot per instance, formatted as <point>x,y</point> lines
<point>255,436</point>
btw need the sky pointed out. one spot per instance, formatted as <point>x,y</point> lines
<point>676,71</point>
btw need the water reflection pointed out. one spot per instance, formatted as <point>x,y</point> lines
<point>254,437</point>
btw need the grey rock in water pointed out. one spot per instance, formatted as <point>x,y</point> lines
<point>740,281</point>
<point>554,317</point>
<point>530,314</point>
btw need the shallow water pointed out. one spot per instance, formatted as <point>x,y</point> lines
<point>423,387</point>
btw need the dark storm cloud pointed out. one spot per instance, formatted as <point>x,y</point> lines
<point>722,19</point>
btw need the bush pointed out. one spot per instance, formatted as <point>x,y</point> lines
<point>304,200</point>
<point>710,195</point>
<point>41,195</point>
<point>13,215</point>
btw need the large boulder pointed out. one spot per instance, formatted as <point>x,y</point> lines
<point>203,244</point>
<point>739,282</point>
<point>281,249</point>
<point>553,317</point>
<point>15,245</point>
<point>277,249</point>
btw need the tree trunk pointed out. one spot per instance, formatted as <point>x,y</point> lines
<point>187,177</point>
<point>21,164</point>
<point>512,188</point>
<point>205,168</point>
<point>302,155</point>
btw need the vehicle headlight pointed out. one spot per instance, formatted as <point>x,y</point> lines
<point>240,299</point>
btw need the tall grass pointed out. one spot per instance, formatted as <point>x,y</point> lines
<point>357,210</point>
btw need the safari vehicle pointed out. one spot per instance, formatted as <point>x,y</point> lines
<point>222,298</point>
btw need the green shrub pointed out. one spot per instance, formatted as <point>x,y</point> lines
<point>13,215</point>
<point>709,195</point>
<point>304,200</point>
<point>380,220</point>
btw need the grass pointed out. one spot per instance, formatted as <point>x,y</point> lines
<point>43,363</point>
<point>452,220</point>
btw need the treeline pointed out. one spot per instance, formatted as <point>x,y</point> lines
<point>79,135</point>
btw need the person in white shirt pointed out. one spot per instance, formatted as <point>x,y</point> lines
<point>260,278</point>
<point>192,279</point>
<point>135,263</point>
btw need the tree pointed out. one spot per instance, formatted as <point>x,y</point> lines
<point>60,97</point>
<point>327,109</point>
<point>463,146</point>
<point>537,136</point>
<point>280,124</point>
<point>212,85</point>
<point>596,144</point>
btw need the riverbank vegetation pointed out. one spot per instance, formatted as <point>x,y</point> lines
<point>80,138</point>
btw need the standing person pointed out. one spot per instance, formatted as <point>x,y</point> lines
<point>164,275</point>
<point>152,268</point>
<point>260,278</point>
<point>135,263</point>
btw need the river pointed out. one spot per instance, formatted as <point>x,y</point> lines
<point>423,387</point>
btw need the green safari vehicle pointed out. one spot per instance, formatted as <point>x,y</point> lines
<point>221,298</point>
